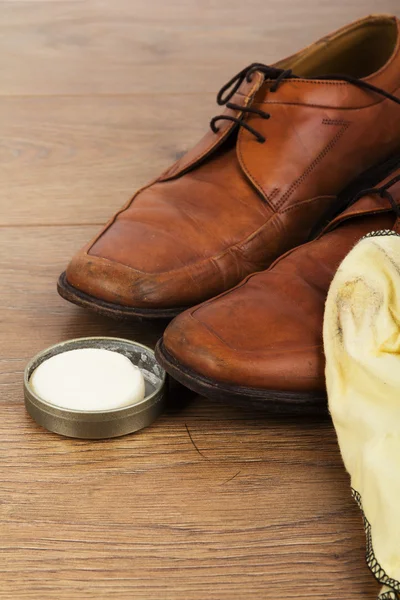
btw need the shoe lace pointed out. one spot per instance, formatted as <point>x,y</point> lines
<point>383,192</point>
<point>277,75</point>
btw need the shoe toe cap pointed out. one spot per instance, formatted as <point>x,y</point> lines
<point>112,282</point>
<point>204,354</point>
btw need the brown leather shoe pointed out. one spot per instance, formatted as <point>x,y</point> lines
<point>261,343</point>
<point>293,145</point>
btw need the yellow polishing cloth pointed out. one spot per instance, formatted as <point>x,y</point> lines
<point>362,349</point>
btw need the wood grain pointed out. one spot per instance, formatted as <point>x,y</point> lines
<point>130,47</point>
<point>210,502</point>
<point>78,159</point>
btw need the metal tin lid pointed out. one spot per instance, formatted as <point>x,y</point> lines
<point>100,424</point>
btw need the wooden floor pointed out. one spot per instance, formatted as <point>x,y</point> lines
<point>96,97</point>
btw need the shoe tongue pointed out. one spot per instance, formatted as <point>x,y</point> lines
<point>366,205</point>
<point>370,203</point>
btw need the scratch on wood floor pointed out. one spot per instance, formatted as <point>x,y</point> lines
<point>191,439</point>
<point>231,478</point>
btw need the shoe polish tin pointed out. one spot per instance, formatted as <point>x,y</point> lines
<point>103,423</point>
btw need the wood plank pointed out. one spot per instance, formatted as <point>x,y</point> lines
<point>79,160</point>
<point>97,47</point>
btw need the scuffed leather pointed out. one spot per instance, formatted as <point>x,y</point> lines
<point>231,205</point>
<point>266,333</point>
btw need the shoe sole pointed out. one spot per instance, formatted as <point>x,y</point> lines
<point>116,311</point>
<point>274,402</point>
<point>108,309</point>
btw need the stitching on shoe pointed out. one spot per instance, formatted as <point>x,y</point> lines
<point>324,152</point>
<point>308,201</point>
<point>254,181</point>
<point>340,122</point>
<point>272,195</point>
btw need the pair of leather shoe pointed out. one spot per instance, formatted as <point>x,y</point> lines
<point>241,237</point>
